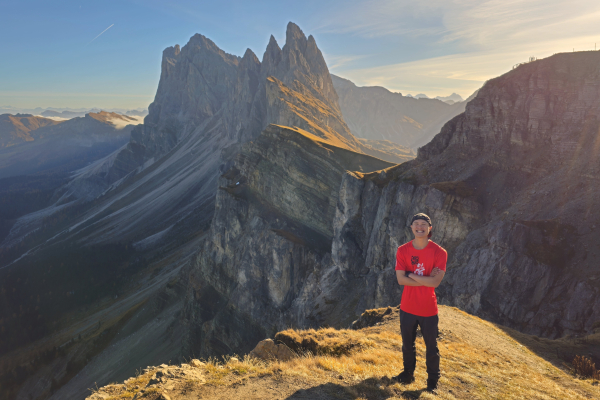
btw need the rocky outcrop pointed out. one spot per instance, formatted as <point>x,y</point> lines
<point>375,113</point>
<point>268,350</point>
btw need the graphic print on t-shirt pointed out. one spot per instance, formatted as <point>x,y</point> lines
<point>419,268</point>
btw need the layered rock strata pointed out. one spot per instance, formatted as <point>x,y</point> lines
<point>269,241</point>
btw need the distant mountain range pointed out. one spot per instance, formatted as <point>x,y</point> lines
<point>453,98</point>
<point>15,129</point>
<point>37,155</point>
<point>376,113</point>
<point>68,113</point>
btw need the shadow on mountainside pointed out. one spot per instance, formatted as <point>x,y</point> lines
<point>372,388</point>
<point>559,351</point>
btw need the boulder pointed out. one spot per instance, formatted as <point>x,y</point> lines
<point>268,350</point>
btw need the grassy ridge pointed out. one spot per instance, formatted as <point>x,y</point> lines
<point>479,361</point>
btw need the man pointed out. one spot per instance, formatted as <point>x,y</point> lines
<point>420,268</point>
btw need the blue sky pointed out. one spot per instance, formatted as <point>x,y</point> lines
<point>52,55</point>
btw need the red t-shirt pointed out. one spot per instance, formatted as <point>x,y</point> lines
<point>420,300</point>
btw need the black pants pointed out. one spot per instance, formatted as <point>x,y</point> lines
<point>429,329</point>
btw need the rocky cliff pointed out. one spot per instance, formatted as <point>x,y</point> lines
<point>506,184</point>
<point>269,241</point>
<point>511,187</point>
<point>376,113</point>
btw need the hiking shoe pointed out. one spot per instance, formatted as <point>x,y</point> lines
<point>404,378</point>
<point>432,385</point>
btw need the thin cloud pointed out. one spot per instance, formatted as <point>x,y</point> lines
<point>99,35</point>
<point>468,22</point>
<point>461,73</point>
<point>378,18</point>
<point>480,39</point>
<point>338,61</point>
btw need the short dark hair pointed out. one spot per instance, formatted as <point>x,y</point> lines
<point>424,217</point>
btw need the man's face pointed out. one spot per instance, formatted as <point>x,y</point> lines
<point>420,228</point>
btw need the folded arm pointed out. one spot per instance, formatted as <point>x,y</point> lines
<point>404,280</point>
<point>430,281</point>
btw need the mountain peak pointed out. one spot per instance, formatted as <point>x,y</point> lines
<point>273,51</point>
<point>294,31</point>
<point>294,37</point>
<point>171,51</point>
<point>249,55</point>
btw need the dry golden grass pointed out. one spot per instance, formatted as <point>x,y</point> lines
<point>132,386</point>
<point>233,368</point>
<point>328,341</point>
<point>479,361</point>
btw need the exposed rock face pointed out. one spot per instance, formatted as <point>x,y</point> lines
<point>203,89</point>
<point>269,240</point>
<point>511,188</point>
<point>376,113</point>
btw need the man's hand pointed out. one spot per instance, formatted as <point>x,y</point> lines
<point>404,280</point>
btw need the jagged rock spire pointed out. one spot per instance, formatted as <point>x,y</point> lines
<point>294,37</point>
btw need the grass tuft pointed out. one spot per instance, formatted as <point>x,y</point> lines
<point>585,368</point>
